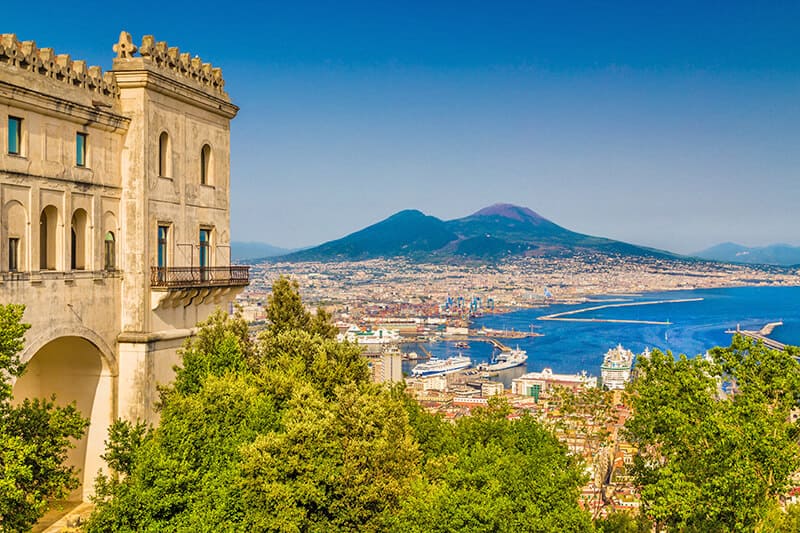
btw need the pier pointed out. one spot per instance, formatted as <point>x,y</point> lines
<point>565,316</point>
<point>761,335</point>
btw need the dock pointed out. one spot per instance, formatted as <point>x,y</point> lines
<point>761,335</point>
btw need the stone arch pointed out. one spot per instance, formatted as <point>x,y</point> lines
<point>15,234</point>
<point>80,243</point>
<point>74,369</point>
<point>49,238</point>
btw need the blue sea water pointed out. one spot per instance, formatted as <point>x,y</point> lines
<point>694,327</point>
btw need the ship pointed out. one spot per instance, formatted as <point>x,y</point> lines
<point>438,367</point>
<point>616,368</point>
<point>505,360</point>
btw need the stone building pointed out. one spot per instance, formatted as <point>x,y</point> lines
<point>114,228</point>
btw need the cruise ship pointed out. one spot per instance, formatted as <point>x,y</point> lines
<point>438,367</point>
<point>616,368</point>
<point>505,360</point>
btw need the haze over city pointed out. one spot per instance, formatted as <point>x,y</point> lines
<point>674,126</point>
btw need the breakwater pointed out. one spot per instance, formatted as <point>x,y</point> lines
<point>567,316</point>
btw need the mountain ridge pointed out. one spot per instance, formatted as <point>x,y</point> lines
<point>489,234</point>
<point>778,254</point>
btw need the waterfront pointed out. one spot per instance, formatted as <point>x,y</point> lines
<point>695,326</point>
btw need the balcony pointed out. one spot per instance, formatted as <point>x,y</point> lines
<point>184,286</point>
<point>199,277</point>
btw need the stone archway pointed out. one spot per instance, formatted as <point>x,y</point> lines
<point>75,370</point>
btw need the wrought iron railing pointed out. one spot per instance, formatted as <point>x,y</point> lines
<point>187,277</point>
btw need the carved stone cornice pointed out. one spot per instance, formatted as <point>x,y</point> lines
<point>139,73</point>
<point>63,108</point>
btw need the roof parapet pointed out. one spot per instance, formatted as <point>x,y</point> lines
<point>171,59</point>
<point>60,67</point>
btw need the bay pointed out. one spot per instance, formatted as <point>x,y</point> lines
<point>695,327</point>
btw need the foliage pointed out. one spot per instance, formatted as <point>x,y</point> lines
<point>222,344</point>
<point>711,461</point>
<point>285,311</point>
<point>622,522</point>
<point>291,436</point>
<point>35,435</point>
<point>494,474</point>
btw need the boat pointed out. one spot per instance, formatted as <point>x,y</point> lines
<point>438,367</point>
<point>505,360</point>
<point>462,345</point>
<point>616,368</point>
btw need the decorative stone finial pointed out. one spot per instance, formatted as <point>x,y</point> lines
<point>125,47</point>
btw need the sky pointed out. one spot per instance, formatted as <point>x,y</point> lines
<point>668,124</point>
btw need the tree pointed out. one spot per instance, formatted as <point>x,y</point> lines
<point>489,473</point>
<point>710,460</point>
<point>35,436</point>
<point>285,311</point>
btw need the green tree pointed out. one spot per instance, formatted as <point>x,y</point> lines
<point>285,311</point>
<point>710,461</point>
<point>494,474</point>
<point>35,436</point>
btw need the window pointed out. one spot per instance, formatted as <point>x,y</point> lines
<point>164,158</point>
<point>205,165</point>
<point>14,135</point>
<point>13,254</point>
<point>109,252</point>
<point>163,231</point>
<point>205,246</point>
<point>80,149</point>
<point>205,243</point>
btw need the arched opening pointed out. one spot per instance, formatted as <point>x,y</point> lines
<point>48,238</point>
<point>74,370</point>
<point>205,165</point>
<point>109,251</point>
<point>79,241</point>
<point>164,156</point>
<point>15,219</point>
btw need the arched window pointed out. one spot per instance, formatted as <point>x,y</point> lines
<point>205,165</point>
<point>164,156</point>
<point>48,235</point>
<point>109,252</point>
<point>78,248</point>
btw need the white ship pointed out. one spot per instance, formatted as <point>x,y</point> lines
<point>437,367</point>
<point>616,368</point>
<point>505,360</point>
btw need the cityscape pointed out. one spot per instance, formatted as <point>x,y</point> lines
<point>401,268</point>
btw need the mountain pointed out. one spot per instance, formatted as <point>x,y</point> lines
<point>241,251</point>
<point>406,233</point>
<point>492,233</point>
<point>774,254</point>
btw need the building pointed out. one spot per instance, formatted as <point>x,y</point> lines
<point>114,222</point>
<point>539,383</point>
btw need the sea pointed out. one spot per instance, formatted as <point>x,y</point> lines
<point>693,327</point>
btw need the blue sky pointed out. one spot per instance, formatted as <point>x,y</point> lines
<point>671,124</point>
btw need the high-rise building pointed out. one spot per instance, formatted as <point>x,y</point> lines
<point>114,222</point>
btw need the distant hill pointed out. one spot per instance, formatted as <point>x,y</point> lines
<point>497,231</point>
<point>242,251</point>
<point>774,254</point>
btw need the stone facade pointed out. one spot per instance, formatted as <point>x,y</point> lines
<point>114,229</point>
